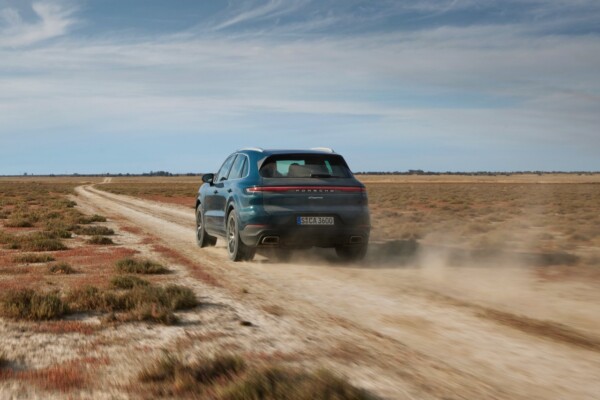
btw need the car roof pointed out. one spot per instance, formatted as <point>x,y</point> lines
<point>271,152</point>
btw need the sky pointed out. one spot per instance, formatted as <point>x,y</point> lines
<point>131,86</point>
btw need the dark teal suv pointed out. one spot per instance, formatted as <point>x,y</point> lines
<point>283,200</point>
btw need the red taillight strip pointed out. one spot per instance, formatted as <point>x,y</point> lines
<point>308,189</point>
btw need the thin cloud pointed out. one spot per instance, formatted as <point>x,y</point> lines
<point>53,20</point>
<point>250,12</point>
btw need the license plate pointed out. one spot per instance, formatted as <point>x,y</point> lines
<point>314,220</point>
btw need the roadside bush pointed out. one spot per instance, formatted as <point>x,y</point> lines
<point>33,258</point>
<point>62,268</point>
<point>31,305</point>
<point>171,376</point>
<point>19,223</point>
<point>127,282</point>
<point>94,230</point>
<point>136,266</point>
<point>37,241</point>
<point>151,313</point>
<point>85,220</point>
<point>230,378</point>
<point>141,303</point>
<point>56,234</point>
<point>272,383</point>
<point>90,298</point>
<point>100,240</point>
<point>6,238</point>
<point>173,297</point>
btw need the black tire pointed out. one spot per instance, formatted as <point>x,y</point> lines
<point>236,249</point>
<point>351,253</point>
<point>203,239</point>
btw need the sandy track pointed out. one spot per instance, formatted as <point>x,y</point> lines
<point>428,332</point>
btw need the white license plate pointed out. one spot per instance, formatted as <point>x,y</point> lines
<point>314,220</point>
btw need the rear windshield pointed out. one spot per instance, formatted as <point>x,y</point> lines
<point>305,166</point>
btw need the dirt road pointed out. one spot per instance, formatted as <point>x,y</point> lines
<point>417,329</point>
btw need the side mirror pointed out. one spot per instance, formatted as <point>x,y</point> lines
<point>208,178</point>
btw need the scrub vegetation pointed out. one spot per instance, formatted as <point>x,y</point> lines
<point>553,216</point>
<point>229,377</point>
<point>67,279</point>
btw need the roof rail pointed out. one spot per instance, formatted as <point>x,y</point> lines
<point>259,149</point>
<point>327,149</point>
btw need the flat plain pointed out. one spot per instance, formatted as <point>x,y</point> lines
<point>474,287</point>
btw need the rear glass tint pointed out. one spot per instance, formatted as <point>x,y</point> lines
<point>305,166</point>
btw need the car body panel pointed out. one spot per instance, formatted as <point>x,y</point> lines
<point>275,211</point>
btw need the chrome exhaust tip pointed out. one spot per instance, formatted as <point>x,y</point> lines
<point>356,239</point>
<point>270,240</point>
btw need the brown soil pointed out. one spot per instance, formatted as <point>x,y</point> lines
<point>419,326</point>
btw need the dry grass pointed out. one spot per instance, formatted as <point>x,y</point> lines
<point>29,304</point>
<point>137,303</point>
<point>127,282</point>
<point>61,268</point>
<point>63,377</point>
<point>139,266</point>
<point>543,214</point>
<point>33,258</point>
<point>100,240</point>
<point>229,377</point>
<point>94,230</point>
<point>175,190</point>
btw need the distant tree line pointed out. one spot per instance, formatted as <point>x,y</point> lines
<point>409,172</point>
<point>475,173</point>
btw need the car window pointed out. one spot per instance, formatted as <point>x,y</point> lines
<point>305,166</point>
<point>224,171</point>
<point>245,167</point>
<point>238,167</point>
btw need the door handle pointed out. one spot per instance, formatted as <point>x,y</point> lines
<point>216,191</point>
<point>228,190</point>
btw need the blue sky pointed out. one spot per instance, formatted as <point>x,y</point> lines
<point>115,86</point>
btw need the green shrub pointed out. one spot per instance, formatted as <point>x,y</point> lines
<point>31,305</point>
<point>136,266</point>
<point>100,240</point>
<point>62,268</point>
<point>127,282</point>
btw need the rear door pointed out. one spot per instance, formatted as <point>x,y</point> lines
<point>216,197</point>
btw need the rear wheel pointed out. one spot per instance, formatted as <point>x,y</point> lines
<point>236,249</point>
<point>203,239</point>
<point>351,253</point>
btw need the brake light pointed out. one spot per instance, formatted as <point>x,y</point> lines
<point>306,189</point>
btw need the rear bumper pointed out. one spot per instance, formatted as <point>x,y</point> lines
<point>304,236</point>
